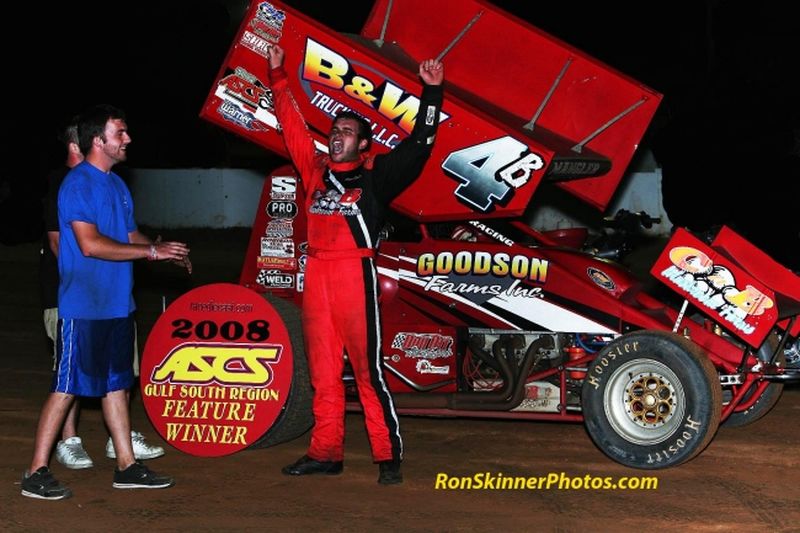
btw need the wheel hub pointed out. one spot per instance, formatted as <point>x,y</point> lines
<point>644,401</point>
<point>649,400</point>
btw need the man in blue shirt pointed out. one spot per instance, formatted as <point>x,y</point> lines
<point>69,450</point>
<point>98,242</point>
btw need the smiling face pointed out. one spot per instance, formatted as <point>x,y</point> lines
<point>115,140</point>
<point>343,141</point>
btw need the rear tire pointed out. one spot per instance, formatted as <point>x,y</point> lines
<point>296,417</point>
<point>651,399</point>
<point>768,398</point>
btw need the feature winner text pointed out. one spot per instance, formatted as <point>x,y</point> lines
<point>206,414</point>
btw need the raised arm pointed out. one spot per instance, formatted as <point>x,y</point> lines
<point>400,167</point>
<point>296,136</point>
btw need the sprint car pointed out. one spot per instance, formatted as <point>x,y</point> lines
<point>483,315</point>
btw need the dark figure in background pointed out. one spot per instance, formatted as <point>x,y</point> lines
<point>347,193</point>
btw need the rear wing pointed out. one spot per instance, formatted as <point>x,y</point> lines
<point>518,109</point>
<point>545,92</point>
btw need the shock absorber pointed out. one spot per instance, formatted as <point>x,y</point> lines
<point>573,354</point>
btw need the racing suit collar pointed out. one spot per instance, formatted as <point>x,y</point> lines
<point>348,165</point>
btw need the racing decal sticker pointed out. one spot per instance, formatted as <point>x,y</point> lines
<point>601,279</point>
<point>283,188</point>
<point>430,115</point>
<point>268,22</point>
<point>481,263</point>
<point>281,263</point>
<point>324,69</point>
<point>246,92</point>
<point>489,172</point>
<point>480,292</point>
<point>333,202</point>
<point>253,42</point>
<point>491,232</point>
<point>275,279</point>
<point>426,367</point>
<point>563,168</point>
<point>300,281</point>
<point>423,345</point>
<point>480,276</point>
<point>279,228</point>
<point>349,198</point>
<point>541,397</point>
<point>282,209</point>
<point>216,370</point>
<point>277,247</point>
<point>244,119</point>
<point>715,287</point>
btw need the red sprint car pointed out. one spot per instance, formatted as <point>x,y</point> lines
<point>484,316</point>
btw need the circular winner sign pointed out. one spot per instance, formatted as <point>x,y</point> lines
<point>216,370</point>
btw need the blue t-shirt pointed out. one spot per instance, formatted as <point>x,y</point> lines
<point>91,288</point>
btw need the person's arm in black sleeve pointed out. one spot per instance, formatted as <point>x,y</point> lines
<point>397,169</point>
<point>51,208</point>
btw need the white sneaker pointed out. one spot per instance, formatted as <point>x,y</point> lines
<point>71,454</point>
<point>141,450</point>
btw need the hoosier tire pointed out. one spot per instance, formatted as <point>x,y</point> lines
<point>296,417</point>
<point>651,399</point>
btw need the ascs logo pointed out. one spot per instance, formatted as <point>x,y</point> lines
<point>218,363</point>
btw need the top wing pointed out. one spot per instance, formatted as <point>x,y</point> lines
<point>518,109</point>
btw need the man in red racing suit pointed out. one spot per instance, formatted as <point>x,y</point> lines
<point>346,193</point>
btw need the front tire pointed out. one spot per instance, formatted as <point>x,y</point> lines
<point>651,399</point>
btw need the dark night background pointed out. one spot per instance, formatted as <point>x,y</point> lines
<point>725,134</point>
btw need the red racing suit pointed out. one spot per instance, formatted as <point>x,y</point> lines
<point>345,204</point>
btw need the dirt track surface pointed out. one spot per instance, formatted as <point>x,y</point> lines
<point>746,480</point>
